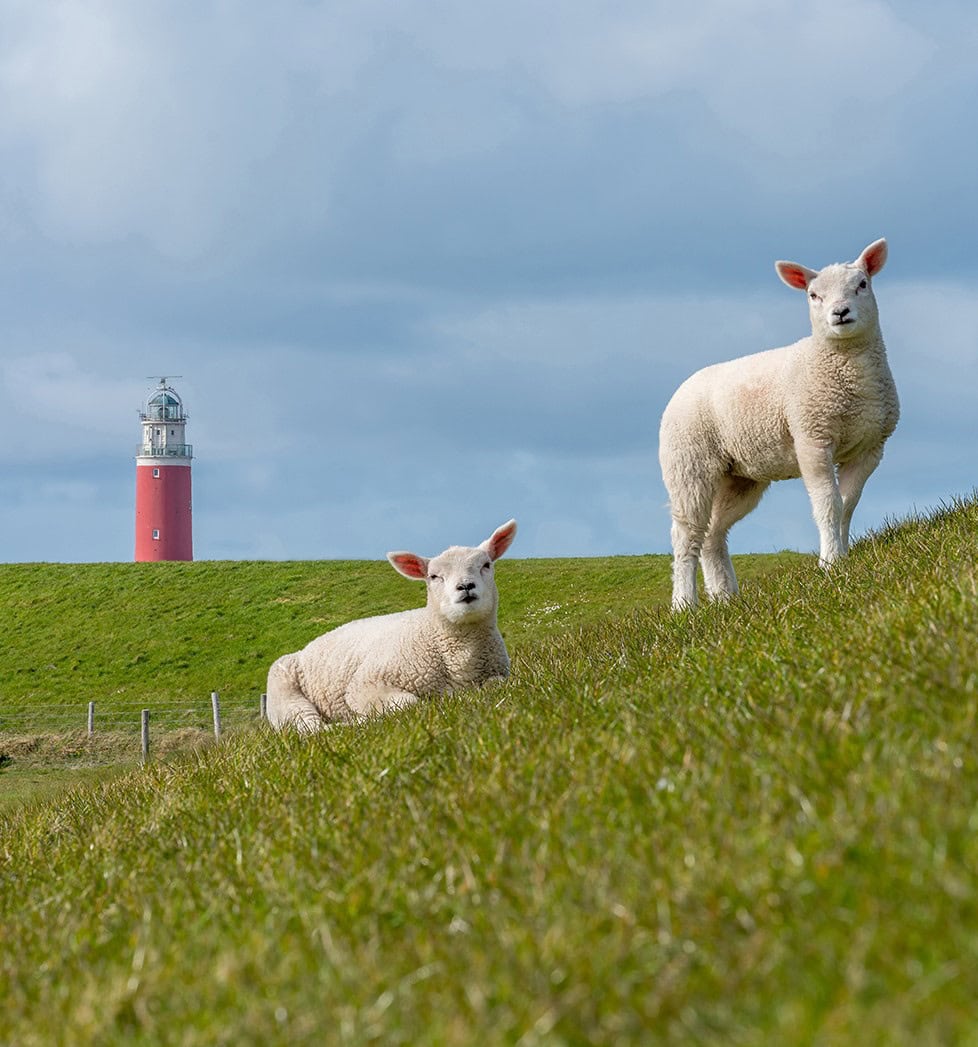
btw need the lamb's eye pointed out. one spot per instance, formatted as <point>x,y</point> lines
<point>487,565</point>
<point>434,577</point>
<point>862,284</point>
<point>814,297</point>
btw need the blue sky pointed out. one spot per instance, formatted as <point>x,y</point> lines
<point>428,266</point>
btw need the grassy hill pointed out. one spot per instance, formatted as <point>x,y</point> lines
<point>748,824</point>
<point>125,634</point>
<point>164,636</point>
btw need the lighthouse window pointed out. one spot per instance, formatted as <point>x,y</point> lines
<point>156,533</point>
<point>156,473</point>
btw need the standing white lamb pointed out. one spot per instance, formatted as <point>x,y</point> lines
<point>820,409</point>
<point>374,665</point>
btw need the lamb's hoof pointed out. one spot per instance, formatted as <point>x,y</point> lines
<point>827,562</point>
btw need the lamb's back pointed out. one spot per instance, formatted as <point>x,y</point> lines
<point>733,413</point>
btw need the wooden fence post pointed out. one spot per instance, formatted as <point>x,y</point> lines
<point>216,705</point>
<point>145,734</point>
<point>91,719</point>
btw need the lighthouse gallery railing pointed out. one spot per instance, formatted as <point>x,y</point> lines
<point>169,451</point>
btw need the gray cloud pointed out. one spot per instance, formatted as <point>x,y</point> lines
<point>426,268</point>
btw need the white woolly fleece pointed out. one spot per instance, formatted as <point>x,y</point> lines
<point>373,665</point>
<point>821,409</point>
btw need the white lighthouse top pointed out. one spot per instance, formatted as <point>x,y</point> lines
<point>164,421</point>
<point>164,405</point>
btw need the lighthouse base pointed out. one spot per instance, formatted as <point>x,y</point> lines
<point>163,512</point>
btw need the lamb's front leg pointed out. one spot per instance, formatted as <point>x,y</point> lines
<point>852,479</point>
<point>818,471</point>
<point>373,698</point>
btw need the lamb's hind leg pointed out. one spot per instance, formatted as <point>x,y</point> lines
<point>690,521</point>
<point>687,542</point>
<point>287,706</point>
<point>736,496</point>
<point>691,476</point>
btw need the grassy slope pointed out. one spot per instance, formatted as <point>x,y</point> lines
<point>755,823</point>
<point>163,636</point>
<point>125,634</point>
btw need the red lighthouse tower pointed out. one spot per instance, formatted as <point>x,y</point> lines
<point>163,507</point>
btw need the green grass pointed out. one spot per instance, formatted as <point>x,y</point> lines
<point>163,636</point>
<point>754,823</point>
<point>126,634</point>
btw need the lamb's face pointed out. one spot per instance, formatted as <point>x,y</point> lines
<point>461,586</point>
<point>841,303</point>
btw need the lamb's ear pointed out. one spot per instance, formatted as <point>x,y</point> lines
<point>410,565</point>
<point>500,540</point>
<point>872,260</point>
<point>795,275</point>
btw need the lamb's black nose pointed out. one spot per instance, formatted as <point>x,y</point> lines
<point>465,587</point>
<point>841,313</point>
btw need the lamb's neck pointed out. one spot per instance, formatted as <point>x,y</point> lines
<point>871,343</point>
<point>465,632</point>
<point>471,651</point>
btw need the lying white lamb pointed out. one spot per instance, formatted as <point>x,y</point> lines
<point>820,409</point>
<point>373,665</point>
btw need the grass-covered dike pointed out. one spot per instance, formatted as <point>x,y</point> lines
<point>753,823</point>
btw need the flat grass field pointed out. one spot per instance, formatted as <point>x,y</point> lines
<point>755,823</point>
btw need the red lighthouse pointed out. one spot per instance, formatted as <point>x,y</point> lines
<point>163,509</point>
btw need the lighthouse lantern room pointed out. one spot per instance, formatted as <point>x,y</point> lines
<point>163,494</point>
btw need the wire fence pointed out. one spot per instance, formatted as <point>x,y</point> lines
<point>96,719</point>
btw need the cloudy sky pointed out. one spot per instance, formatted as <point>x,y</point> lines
<point>425,266</point>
